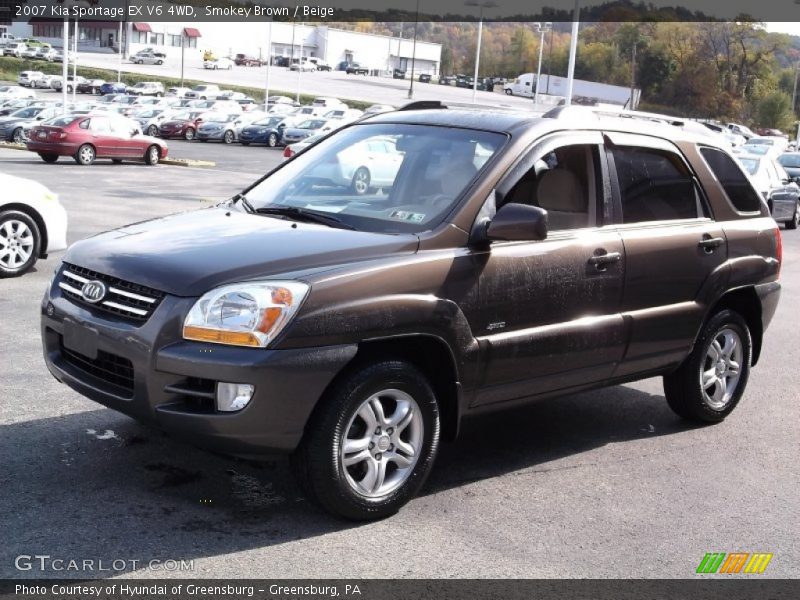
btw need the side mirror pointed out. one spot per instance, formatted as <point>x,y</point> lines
<point>518,222</point>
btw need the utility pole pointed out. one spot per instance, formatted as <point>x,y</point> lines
<point>632,105</point>
<point>269,64</point>
<point>794,94</point>
<point>64,67</point>
<point>413,54</point>
<point>573,51</point>
<point>543,28</point>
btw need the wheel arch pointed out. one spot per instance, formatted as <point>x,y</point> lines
<point>745,302</point>
<point>37,218</point>
<point>433,356</point>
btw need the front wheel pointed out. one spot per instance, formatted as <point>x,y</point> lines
<point>711,381</point>
<point>20,242</point>
<point>360,182</point>
<point>188,134</point>
<point>229,137</point>
<point>371,443</point>
<point>18,137</point>
<point>509,93</point>
<point>48,157</point>
<point>795,220</point>
<point>152,131</point>
<point>152,155</point>
<point>272,140</point>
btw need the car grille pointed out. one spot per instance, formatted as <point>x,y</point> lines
<point>123,298</point>
<point>110,368</point>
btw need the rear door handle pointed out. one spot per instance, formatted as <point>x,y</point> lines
<point>601,261</point>
<point>709,244</point>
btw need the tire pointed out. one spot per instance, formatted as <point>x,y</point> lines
<point>356,490</point>
<point>20,243</point>
<point>17,136</point>
<point>159,94</point>
<point>85,155</point>
<point>48,157</point>
<point>116,161</point>
<point>159,62</point>
<point>684,389</point>
<point>152,155</point>
<point>360,181</point>
<point>188,134</point>
<point>272,140</point>
<point>509,93</point>
<point>228,137</point>
<point>139,62</point>
<point>245,143</point>
<point>795,220</point>
<point>152,131</point>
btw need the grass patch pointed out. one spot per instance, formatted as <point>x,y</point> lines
<point>10,68</point>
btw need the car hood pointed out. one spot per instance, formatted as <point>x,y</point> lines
<point>189,253</point>
<point>793,171</point>
<point>292,131</point>
<point>8,121</point>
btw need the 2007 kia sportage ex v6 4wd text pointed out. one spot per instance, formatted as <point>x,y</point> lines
<point>501,258</point>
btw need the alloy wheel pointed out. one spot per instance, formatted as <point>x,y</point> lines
<point>16,244</point>
<point>382,444</point>
<point>722,368</point>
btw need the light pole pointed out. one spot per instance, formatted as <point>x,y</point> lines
<point>75,64</point>
<point>573,51</point>
<point>481,6</point>
<point>119,51</point>
<point>794,93</point>
<point>542,28</point>
<point>65,67</point>
<point>269,65</point>
<point>413,54</point>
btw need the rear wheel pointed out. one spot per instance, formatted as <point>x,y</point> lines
<point>17,136</point>
<point>188,134</point>
<point>152,155</point>
<point>711,381</point>
<point>20,243</point>
<point>795,220</point>
<point>371,443</point>
<point>48,157</point>
<point>152,131</point>
<point>229,137</point>
<point>85,155</point>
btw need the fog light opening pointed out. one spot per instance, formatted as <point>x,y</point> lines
<point>233,396</point>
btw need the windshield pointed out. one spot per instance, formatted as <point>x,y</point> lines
<point>751,164</point>
<point>311,124</point>
<point>200,88</point>
<point>790,160</point>
<point>26,113</point>
<point>385,178</point>
<point>61,121</point>
<point>270,122</point>
<point>759,150</point>
<point>222,118</point>
<point>148,114</point>
<point>760,142</point>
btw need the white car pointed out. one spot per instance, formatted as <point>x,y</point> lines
<point>377,109</point>
<point>203,92</point>
<point>43,83</point>
<point>147,58</point>
<point>26,78</point>
<point>218,63</point>
<point>150,118</point>
<point>777,145</point>
<point>327,102</point>
<point>33,223</point>
<point>305,65</point>
<point>301,114</point>
<point>344,114</point>
<point>13,92</point>
<point>14,49</point>
<point>372,163</point>
<point>177,92</point>
<point>30,52</point>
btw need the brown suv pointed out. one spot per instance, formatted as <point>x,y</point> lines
<point>355,304</point>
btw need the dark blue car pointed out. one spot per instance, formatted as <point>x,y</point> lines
<point>113,87</point>
<point>264,131</point>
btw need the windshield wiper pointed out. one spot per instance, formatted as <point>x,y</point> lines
<point>244,202</point>
<point>302,214</point>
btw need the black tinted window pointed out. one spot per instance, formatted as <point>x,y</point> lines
<point>733,180</point>
<point>654,186</point>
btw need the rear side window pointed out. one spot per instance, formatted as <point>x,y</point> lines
<point>735,183</point>
<point>655,185</point>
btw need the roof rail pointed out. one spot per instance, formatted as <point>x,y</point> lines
<point>563,112</point>
<point>423,105</point>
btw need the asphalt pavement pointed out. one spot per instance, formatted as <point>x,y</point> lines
<point>602,484</point>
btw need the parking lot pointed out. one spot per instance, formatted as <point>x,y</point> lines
<point>602,484</point>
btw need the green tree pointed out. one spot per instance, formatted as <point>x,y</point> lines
<point>775,111</point>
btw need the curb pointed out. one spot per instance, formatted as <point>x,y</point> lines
<point>175,162</point>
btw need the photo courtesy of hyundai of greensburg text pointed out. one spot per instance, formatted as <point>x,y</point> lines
<point>399,300</point>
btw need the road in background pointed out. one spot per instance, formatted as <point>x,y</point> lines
<point>380,90</point>
<point>602,484</point>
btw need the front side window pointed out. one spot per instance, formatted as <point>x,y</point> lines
<point>564,183</point>
<point>655,185</point>
<point>409,187</point>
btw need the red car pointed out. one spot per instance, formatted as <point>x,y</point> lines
<point>87,137</point>
<point>182,125</point>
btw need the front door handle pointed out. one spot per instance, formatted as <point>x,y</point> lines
<point>601,261</point>
<point>709,244</point>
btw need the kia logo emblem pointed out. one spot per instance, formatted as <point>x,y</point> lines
<point>93,291</point>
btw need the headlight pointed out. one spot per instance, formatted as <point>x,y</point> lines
<point>244,314</point>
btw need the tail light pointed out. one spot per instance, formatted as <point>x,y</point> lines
<point>778,248</point>
<point>287,152</point>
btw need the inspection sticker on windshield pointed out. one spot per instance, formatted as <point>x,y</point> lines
<point>404,215</point>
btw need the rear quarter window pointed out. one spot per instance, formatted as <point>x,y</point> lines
<point>733,180</point>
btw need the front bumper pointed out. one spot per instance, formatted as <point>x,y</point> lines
<point>164,375</point>
<point>210,135</point>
